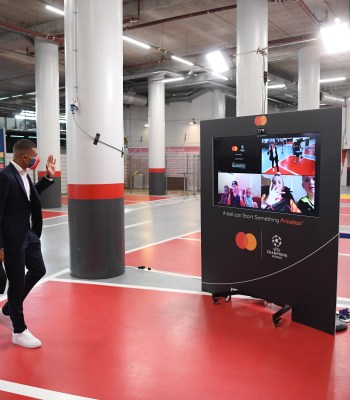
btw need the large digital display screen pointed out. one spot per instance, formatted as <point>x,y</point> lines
<point>274,173</point>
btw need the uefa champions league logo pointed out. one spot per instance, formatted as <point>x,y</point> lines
<point>276,252</point>
<point>276,241</point>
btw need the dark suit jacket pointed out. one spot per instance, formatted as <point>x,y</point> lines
<point>273,154</point>
<point>15,208</point>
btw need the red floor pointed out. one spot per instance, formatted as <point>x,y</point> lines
<point>112,343</point>
<point>108,343</point>
<point>50,214</point>
<point>178,256</point>
<point>287,167</point>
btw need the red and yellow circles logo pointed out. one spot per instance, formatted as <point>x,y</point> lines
<point>260,120</point>
<point>234,148</point>
<point>246,241</point>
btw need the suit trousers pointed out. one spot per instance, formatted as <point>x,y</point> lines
<point>20,283</point>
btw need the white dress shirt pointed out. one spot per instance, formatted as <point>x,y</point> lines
<point>24,176</point>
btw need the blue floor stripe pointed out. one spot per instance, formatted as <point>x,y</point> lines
<point>344,235</point>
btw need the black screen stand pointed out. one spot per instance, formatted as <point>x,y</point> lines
<point>276,317</point>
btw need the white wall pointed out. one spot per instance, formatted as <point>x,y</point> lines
<point>177,116</point>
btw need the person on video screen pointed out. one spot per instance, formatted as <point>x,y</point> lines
<point>235,196</point>
<point>247,199</point>
<point>297,151</point>
<point>307,203</point>
<point>278,197</point>
<point>273,153</point>
<point>224,196</point>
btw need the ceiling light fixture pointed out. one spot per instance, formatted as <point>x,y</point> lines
<point>336,38</point>
<point>136,42</point>
<point>146,125</point>
<point>225,78</point>
<point>180,78</point>
<point>26,114</point>
<point>55,10</point>
<point>277,86</point>
<point>183,61</point>
<point>337,79</point>
<point>192,122</point>
<point>217,61</point>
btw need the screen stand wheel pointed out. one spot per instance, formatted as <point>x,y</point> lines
<point>340,326</point>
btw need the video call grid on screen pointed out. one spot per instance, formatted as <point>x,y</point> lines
<point>247,168</point>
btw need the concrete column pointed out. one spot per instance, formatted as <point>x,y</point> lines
<point>219,103</point>
<point>309,78</point>
<point>94,82</point>
<point>156,134</point>
<point>252,34</point>
<point>47,115</point>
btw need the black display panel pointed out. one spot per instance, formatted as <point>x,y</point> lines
<point>274,173</point>
<point>283,255</point>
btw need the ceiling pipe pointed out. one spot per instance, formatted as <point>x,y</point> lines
<point>183,16</point>
<point>28,32</point>
<point>331,100</point>
<point>148,74</point>
<point>133,99</point>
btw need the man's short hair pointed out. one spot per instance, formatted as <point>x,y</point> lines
<point>23,145</point>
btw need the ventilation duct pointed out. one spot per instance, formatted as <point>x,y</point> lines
<point>331,100</point>
<point>132,99</point>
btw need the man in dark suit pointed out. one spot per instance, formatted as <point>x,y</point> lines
<point>20,230</point>
<point>273,156</point>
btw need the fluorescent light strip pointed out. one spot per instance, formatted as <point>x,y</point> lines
<point>55,10</point>
<point>225,78</point>
<point>180,78</point>
<point>340,78</point>
<point>277,86</point>
<point>136,42</point>
<point>181,60</point>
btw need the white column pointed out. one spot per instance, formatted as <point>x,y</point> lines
<point>252,34</point>
<point>156,132</point>
<point>219,103</point>
<point>94,79</point>
<point>47,114</point>
<point>309,78</point>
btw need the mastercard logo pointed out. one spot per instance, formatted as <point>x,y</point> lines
<point>234,148</point>
<point>260,120</point>
<point>246,241</point>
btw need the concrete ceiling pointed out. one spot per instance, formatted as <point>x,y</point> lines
<point>188,29</point>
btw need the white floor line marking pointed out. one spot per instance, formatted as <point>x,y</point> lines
<point>84,282</point>
<point>139,223</point>
<point>160,242</point>
<point>50,226</point>
<point>127,226</point>
<point>46,279</point>
<point>158,271</point>
<point>159,204</point>
<point>37,393</point>
<point>342,299</point>
<point>185,238</point>
<point>344,254</point>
